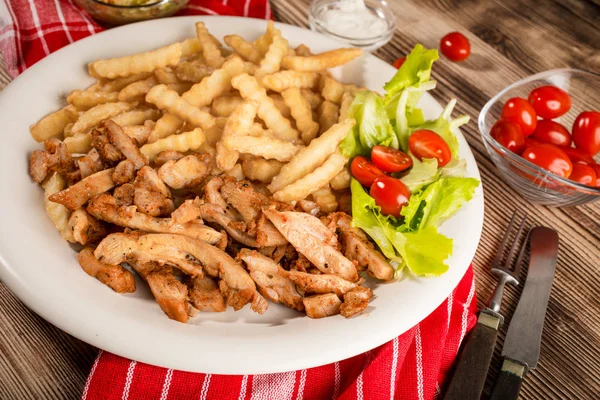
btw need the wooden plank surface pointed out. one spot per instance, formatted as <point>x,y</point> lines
<point>509,40</point>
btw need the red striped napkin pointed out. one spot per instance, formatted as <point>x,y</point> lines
<point>412,366</point>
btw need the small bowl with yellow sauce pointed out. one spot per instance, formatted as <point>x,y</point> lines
<point>119,12</point>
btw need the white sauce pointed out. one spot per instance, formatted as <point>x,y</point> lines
<point>353,19</point>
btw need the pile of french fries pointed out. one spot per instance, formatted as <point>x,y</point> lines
<point>263,110</point>
<point>266,111</point>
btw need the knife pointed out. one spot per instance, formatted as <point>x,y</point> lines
<point>521,349</point>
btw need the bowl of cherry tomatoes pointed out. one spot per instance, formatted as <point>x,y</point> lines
<point>543,135</point>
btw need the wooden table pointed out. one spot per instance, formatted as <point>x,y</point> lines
<point>509,41</point>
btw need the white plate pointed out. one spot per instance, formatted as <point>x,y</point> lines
<point>42,270</point>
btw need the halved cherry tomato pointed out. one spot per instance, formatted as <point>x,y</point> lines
<point>428,144</point>
<point>577,156</point>
<point>586,132</point>
<point>548,131</point>
<point>596,169</point>
<point>550,101</point>
<point>583,174</point>
<point>390,194</point>
<point>364,171</point>
<point>389,159</point>
<point>455,46</point>
<point>509,135</point>
<point>520,112</point>
<point>549,157</point>
<point>398,63</point>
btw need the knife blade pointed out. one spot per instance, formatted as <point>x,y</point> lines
<point>521,349</point>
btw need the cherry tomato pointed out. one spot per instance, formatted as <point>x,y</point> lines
<point>549,157</point>
<point>455,46</point>
<point>549,101</point>
<point>389,159</point>
<point>364,171</point>
<point>551,132</point>
<point>529,141</point>
<point>428,144</point>
<point>390,194</point>
<point>586,132</point>
<point>577,156</point>
<point>398,63</point>
<point>509,135</point>
<point>583,174</point>
<point>520,112</point>
<point>596,168</point>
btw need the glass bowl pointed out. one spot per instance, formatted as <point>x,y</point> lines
<point>534,183</point>
<point>114,14</point>
<point>320,21</point>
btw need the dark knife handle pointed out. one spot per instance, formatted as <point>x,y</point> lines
<point>472,367</point>
<point>508,384</point>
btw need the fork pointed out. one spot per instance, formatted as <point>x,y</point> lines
<point>471,369</point>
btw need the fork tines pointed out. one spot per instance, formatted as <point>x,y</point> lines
<point>502,264</point>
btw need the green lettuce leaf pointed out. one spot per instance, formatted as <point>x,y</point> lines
<point>438,201</point>
<point>416,69</point>
<point>421,174</point>
<point>422,251</point>
<point>372,126</point>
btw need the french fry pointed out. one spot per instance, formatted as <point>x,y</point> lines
<point>283,80</point>
<point>223,106</point>
<point>236,172</point>
<point>312,156</point>
<point>68,131</point>
<point>267,111</point>
<point>325,199</point>
<point>265,147</point>
<point>259,169</point>
<point>322,61</point>
<point>190,47</point>
<point>333,90</point>
<point>84,100</point>
<point>262,43</point>
<point>258,130</point>
<point>347,99</point>
<point>280,104</point>
<point>80,143</point>
<point>328,115</point>
<point>238,124</point>
<point>341,181</point>
<point>116,85</point>
<point>135,64</point>
<point>166,75</point>
<point>272,61</point>
<point>166,126</point>
<point>302,113</point>
<point>214,134</point>
<point>169,100</point>
<point>96,114</point>
<point>136,116</point>
<point>59,214</point>
<point>183,142</point>
<point>303,50</point>
<point>192,71</point>
<point>180,87</point>
<point>308,184</point>
<point>137,90</point>
<point>245,49</point>
<point>211,53</point>
<point>203,93</point>
<point>53,124</point>
<point>315,99</point>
